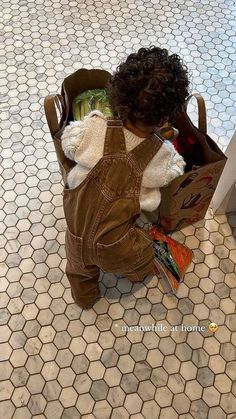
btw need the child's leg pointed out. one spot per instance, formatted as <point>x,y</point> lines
<point>84,284</point>
<point>83,277</point>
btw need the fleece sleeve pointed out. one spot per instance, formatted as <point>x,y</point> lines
<point>72,138</point>
<point>74,133</point>
<point>150,198</point>
<point>175,167</point>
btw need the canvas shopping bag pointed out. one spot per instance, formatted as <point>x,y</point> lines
<point>186,199</point>
<point>59,108</point>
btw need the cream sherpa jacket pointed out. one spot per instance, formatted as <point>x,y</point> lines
<point>83,142</point>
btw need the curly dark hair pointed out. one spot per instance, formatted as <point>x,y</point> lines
<point>150,86</point>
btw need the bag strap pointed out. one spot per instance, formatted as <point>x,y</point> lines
<point>52,104</point>
<point>202,120</point>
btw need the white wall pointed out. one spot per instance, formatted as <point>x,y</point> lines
<point>224,198</point>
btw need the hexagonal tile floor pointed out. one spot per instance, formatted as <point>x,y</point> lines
<point>57,361</point>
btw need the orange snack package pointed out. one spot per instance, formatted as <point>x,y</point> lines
<point>171,258</point>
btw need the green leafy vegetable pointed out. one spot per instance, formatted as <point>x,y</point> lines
<point>90,100</point>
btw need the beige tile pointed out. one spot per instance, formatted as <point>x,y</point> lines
<point>53,410</point>
<point>146,390</point>
<point>181,403</point>
<point>6,391</point>
<point>68,397</point>
<point>47,334</point>
<point>36,404</point>
<point>18,357</point>
<point>80,364</point>
<point>66,377</point>
<point>116,311</point>
<point>193,390</point>
<point>93,351</point>
<point>150,409</point>
<point>64,358</point>
<point>51,390</point>
<point>176,383</point>
<point>201,270</point>
<point>50,370</point>
<point>171,364</point>
<point>227,306</point>
<point>229,242</point>
<point>48,352</point>
<point>230,321</point>
<point>154,295</point>
<point>62,339</point>
<point>222,383</point>
<point>33,346</point>
<point>211,345</point>
<point>106,340</point>
<point>34,364</point>
<point>133,403</point>
<point>217,364</point>
<point>103,322</point>
<point>5,351</point>
<point>77,345</point>
<point>30,311</point>
<point>85,403</point>
<point>163,397</point>
<point>96,370</point>
<point>195,340</point>
<point>228,403</point>
<point>102,410</point>
<point>188,370</point>
<point>75,327</point>
<point>155,358</point>
<point>211,396</point>
<point>125,363</point>
<point>112,376</point>
<point>216,412</point>
<point>91,334</point>
<point>201,311</point>
<point>192,242</point>
<point>35,384</point>
<point>82,383</point>
<point>116,396</point>
<point>168,412</point>
<point>120,413</point>
<point>207,247</point>
<point>138,352</point>
<point>7,408</point>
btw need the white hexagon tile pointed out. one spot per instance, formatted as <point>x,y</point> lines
<point>57,361</point>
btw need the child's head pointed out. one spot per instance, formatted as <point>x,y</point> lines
<point>150,86</point>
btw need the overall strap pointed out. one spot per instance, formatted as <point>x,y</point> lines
<point>144,152</point>
<point>114,139</point>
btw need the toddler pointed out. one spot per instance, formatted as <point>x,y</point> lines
<point>121,165</point>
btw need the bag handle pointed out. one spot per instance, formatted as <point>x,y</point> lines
<point>202,120</point>
<point>52,103</point>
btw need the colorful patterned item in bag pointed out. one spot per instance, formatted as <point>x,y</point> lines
<point>171,258</point>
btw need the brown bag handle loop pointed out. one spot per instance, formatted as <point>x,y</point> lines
<point>52,103</point>
<point>202,120</point>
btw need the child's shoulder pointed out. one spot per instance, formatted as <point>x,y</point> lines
<point>94,123</point>
<point>79,132</point>
<point>78,127</point>
<point>95,115</point>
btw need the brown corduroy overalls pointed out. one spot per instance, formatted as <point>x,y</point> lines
<point>101,213</point>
